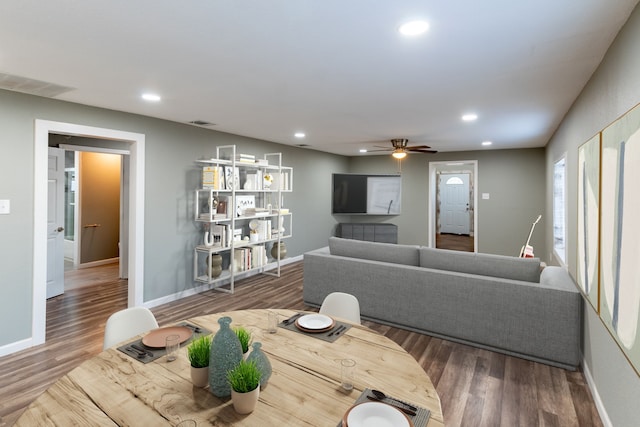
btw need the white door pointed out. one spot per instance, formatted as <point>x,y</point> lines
<point>454,203</point>
<point>55,222</point>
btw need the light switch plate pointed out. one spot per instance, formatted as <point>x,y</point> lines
<point>485,196</point>
<point>5,207</point>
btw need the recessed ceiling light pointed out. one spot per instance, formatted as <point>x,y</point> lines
<point>486,143</point>
<point>363,150</point>
<point>414,28</point>
<point>299,135</point>
<point>151,97</point>
<point>470,117</point>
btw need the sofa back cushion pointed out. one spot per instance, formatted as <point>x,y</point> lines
<point>506,267</point>
<point>383,252</point>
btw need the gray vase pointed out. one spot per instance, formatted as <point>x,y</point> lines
<point>226,353</point>
<point>216,266</point>
<point>278,248</point>
<point>262,362</point>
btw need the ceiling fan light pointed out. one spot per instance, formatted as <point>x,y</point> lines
<point>399,154</point>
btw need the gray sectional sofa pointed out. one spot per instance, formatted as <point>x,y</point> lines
<point>504,304</point>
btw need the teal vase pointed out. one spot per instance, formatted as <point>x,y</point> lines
<point>226,353</point>
<point>262,362</point>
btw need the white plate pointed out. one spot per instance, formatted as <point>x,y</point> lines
<point>376,414</point>
<point>253,224</point>
<point>315,321</point>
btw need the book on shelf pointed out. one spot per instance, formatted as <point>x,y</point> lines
<point>249,257</point>
<point>248,158</point>
<point>219,233</point>
<point>253,180</point>
<point>264,229</point>
<point>231,177</point>
<point>213,177</point>
<point>280,181</point>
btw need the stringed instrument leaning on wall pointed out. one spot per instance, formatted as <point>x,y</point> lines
<point>527,251</point>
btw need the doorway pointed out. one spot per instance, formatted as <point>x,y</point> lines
<point>93,210</point>
<point>452,201</point>
<point>135,217</point>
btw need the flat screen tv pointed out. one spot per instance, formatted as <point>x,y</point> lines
<point>366,194</point>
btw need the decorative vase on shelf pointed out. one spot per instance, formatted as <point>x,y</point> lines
<point>216,266</point>
<point>226,353</point>
<point>278,248</point>
<point>262,362</point>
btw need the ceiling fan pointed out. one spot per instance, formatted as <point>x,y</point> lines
<point>400,149</point>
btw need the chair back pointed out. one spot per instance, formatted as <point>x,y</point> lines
<point>342,305</point>
<point>127,323</point>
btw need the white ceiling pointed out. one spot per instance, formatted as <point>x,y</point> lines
<point>337,70</point>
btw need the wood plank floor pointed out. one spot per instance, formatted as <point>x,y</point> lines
<point>476,387</point>
<point>454,242</point>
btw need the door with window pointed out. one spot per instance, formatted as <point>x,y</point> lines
<point>454,203</point>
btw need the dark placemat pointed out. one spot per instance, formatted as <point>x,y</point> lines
<point>148,354</point>
<point>419,420</point>
<point>330,336</point>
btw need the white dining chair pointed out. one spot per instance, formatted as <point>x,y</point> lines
<point>127,323</point>
<point>342,305</point>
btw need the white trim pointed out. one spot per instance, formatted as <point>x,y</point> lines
<point>433,168</point>
<point>92,264</point>
<point>136,214</point>
<point>14,347</point>
<point>602,411</point>
<point>71,147</point>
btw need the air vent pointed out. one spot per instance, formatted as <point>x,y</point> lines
<point>201,123</point>
<point>32,87</point>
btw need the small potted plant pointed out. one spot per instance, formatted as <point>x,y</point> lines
<point>245,339</point>
<point>199,351</point>
<point>244,380</point>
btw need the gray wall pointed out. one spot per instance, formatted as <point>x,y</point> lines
<point>171,177</point>
<point>613,89</point>
<point>515,180</point>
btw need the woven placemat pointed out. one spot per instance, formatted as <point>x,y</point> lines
<point>330,336</point>
<point>148,354</point>
<point>419,420</point>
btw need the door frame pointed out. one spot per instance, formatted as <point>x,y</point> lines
<point>136,143</point>
<point>434,167</point>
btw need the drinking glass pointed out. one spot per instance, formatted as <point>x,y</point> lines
<point>172,344</point>
<point>272,322</point>
<point>347,373</point>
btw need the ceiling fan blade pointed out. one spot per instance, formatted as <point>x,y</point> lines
<point>421,151</point>
<point>383,149</point>
<point>417,146</point>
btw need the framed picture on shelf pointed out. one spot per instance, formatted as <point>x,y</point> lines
<point>244,202</point>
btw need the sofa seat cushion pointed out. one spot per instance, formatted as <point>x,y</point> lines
<point>506,267</point>
<point>382,252</point>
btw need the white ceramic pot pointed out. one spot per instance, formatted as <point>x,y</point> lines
<point>200,376</point>
<point>245,403</point>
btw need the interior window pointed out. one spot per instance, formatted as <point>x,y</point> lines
<point>559,228</point>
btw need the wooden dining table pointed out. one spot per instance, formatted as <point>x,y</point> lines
<point>114,388</point>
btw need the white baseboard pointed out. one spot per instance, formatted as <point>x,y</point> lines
<point>188,292</point>
<point>16,346</point>
<point>602,411</point>
<point>98,263</point>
